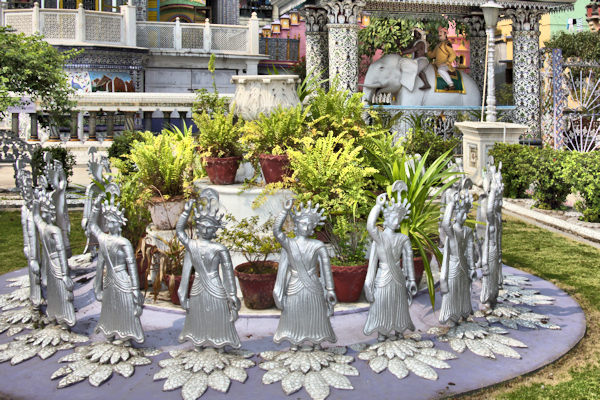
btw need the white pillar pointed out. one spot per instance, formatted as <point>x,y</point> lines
<point>207,37</point>
<point>251,67</point>
<point>490,111</point>
<point>253,34</point>
<point>129,21</point>
<point>80,24</point>
<point>35,18</point>
<point>177,35</point>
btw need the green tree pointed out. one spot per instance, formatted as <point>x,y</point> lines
<point>30,67</point>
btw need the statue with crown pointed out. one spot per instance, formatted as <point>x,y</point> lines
<point>458,267</point>
<point>305,299</point>
<point>59,285</point>
<point>116,284</point>
<point>390,282</point>
<point>212,306</point>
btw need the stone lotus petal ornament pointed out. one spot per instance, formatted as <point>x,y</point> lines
<point>21,281</point>
<point>306,300</point>
<point>314,370</point>
<point>390,282</point>
<point>41,342</point>
<point>458,263</point>
<point>480,338</point>
<point>96,166</point>
<point>405,355</point>
<point>57,178</point>
<point>15,299</point>
<point>98,361</point>
<point>513,317</point>
<point>194,371</point>
<point>515,280</point>
<point>530,297</point>
<point>14,321</point>
<point>59,293</point>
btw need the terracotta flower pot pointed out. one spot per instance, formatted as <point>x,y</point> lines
<point>221,170</point>
<point>257,288</point>
<point>174,287</point>
<point>349,282</point>
<point>165,214</point>
<point>274,167</point>
<point>419,268</point>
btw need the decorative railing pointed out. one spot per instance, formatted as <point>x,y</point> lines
<point>280,49</point>
<point>83,27</point>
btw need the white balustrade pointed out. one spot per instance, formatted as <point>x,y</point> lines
<point>60,26</point>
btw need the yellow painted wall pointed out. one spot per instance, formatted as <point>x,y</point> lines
<point>505,31</point>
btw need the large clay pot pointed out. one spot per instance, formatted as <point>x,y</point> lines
<point>174,287</point>
<point>274,167</point>
<point>165,214</point>
<point>349,281</point>
<point>257,288</point>
<point>221,170</point>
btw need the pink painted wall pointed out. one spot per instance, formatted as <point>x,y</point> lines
<point>295,32</point>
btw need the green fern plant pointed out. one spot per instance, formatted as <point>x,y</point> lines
<point>166,164</point>
<point>219,134</point>
<point>331,171</point>
<point>277,132</point>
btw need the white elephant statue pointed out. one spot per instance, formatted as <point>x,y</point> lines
<point>397,75</point>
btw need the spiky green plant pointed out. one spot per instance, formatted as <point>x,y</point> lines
<point>425,186</point>
<point>219,134</point>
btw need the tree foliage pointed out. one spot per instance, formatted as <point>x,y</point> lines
<point>585,45</point>
<point>32,68</point>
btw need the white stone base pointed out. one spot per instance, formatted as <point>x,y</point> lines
<point>479,138</point>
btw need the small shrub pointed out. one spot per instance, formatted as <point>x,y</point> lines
<point>551,189</point>
<point>580,44</point>
<point>419,141</point>
<point>121,147</point>
<point>58,153</point>
<point>518,167</point>
<point>582,171</point>
<point>219,134</point>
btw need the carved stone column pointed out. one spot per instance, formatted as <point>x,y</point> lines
<point>317,51</point>
<point>477,48</point>
<point>526,71</point>
<point>92,126</point>
<point>343,16</point>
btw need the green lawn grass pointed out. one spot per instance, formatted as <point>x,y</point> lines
<point>11,239</point>
<point>574,267</point>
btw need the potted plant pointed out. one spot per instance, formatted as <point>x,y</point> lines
<point>166,166</point>
<point>256,243</point>
<point>269,137</point>
<point>219,142</point>
<point>330,170</point>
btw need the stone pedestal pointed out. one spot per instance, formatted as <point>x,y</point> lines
<point>479,138</point>
<point>256,94</point>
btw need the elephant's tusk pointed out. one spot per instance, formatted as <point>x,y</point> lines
<point>369,86</point>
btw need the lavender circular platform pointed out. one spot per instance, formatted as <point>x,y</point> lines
<point>31,379</point>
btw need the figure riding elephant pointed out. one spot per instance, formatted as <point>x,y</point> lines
<point>397,75</point>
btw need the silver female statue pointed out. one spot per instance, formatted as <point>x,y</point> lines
<point>491,255</point>
<point>212,307</point>
<point>305,300</point>
<point>31,246</point>
<point>118,289</point>
<point>458,264</point>
<point>448,194</point>
<point>57,178</point>
<point>96,168</point>
<point>59,288</point>
<point>386,287</point>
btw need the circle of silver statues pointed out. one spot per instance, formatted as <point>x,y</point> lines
<point>304,289</point>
